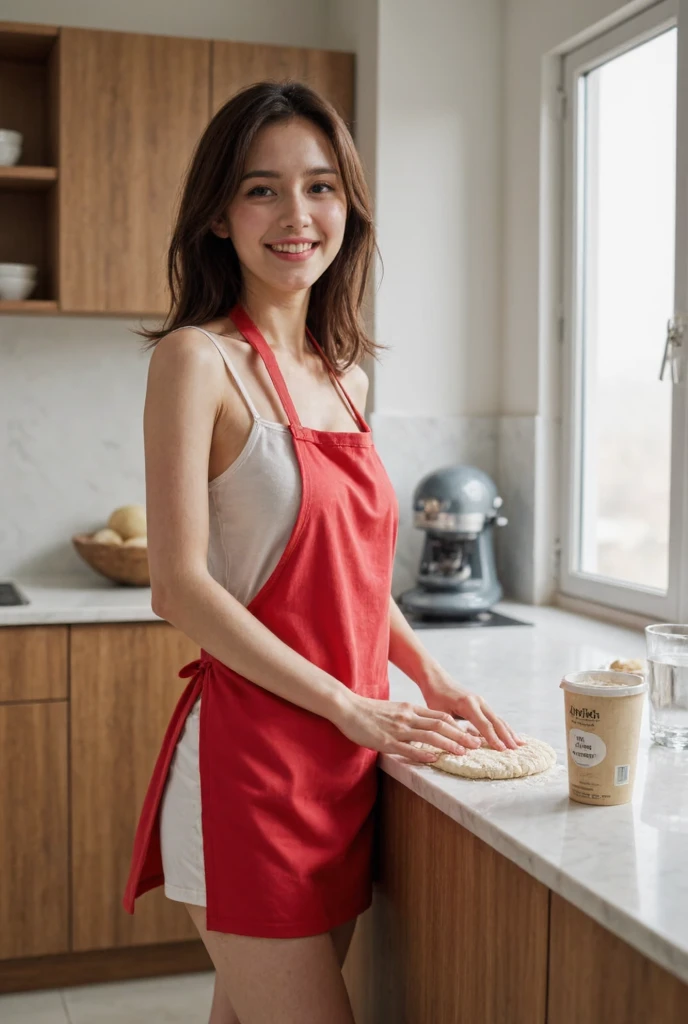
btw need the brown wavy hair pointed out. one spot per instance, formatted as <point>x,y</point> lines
<point>203,270</point>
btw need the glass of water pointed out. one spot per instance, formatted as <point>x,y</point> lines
<point>667,678</point>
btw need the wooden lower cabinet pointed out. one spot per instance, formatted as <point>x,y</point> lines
<point>124,686</point>
<point>457,934</point>
<point>33,663</point>
<point>34,877</point>
<point>456,931</point>
<point>598,978</point>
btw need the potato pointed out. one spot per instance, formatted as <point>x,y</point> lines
<point>106,536</point>
<point>136,542</point>
<point>129,521</point>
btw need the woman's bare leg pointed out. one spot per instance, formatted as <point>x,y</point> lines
<point>222,1011</point>
<point>341,937</point>
<point>293,981</point>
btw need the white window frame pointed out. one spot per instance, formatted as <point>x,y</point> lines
<point>673,605</point>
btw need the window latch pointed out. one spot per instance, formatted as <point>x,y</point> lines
<point>675,349</point>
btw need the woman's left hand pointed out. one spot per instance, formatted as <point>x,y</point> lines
<point>449,696</point>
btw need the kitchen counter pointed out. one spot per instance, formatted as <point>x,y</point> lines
<point>623,866</point>
<point>73,599</point>
<point>627,866</point>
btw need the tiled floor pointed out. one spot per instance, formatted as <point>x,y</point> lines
<point>178,999</point>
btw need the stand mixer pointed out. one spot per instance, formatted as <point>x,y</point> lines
<point>457,507</point>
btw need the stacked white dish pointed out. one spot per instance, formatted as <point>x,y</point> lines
<point>10,146</point>
<point>17,280</point>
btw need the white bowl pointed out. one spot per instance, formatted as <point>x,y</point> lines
<point>10,150</point>
<point>23,270</point>
<point>16,288</point>
<point>10,135</point>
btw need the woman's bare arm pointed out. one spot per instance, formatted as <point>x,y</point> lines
<point>186,381</point>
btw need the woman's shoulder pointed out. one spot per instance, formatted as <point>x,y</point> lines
<point>185,358</point>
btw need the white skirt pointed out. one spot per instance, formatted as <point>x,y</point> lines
<point>181,836</point>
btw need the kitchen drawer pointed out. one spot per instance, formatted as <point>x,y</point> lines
<point>33,663</point>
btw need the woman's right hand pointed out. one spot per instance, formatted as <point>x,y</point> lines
<point>391,726</point>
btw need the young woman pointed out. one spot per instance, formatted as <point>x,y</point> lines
<point>272,530</point>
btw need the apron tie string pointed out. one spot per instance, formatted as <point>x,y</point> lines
<point>195,666</point>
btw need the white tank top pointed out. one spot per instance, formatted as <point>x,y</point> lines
<point>253,505</point>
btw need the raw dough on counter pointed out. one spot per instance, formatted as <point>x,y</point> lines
<point>485,763</point>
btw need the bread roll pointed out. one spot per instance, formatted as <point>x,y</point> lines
<point>129,521</point>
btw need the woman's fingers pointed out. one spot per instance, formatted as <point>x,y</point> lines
<point>446,727</point>
<point>503,730</point>
<point>480,719</point>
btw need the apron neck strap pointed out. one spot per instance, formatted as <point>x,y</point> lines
<point>247,327</point>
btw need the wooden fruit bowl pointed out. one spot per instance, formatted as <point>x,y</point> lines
<point>116,562</point>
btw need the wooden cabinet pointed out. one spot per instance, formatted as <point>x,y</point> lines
<point>110,121</point>
<point>34,877</point>
<point>598,978</point>
<point>124,686</point>
<point>33,663</point>
<point>29,67</point>
<point>454,926</point>
<point>457,932</point>
<point>330,72</point>
<point>132,107</point>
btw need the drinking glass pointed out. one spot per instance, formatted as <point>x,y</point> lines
<point>667,678</point>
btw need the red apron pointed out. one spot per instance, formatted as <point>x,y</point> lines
<point>286,799</point>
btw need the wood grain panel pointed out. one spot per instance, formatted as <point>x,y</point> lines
<point>34,904</point>
<point>33,663</point>
<point>26,41</point>
<point>457,932</point>
<point>132,107</point>
<point>25,975</point>
<point>598,978</point>
<point>329,72</point>
<point>124,686</point>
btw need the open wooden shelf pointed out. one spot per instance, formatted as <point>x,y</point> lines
<point>26,42</point>
<point>28,306</point>
<point>27,179</point>
<point>29,59</point>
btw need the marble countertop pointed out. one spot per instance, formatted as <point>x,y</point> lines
<point>76,599</point>
<point>626,866</point>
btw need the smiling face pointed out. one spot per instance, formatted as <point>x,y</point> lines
<point>290,188</point>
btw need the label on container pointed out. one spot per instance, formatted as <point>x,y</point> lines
<point>586,748</point>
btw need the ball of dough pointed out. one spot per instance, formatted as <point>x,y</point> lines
<point>635,665</point>
<point>532,757</point>
<point>129,521</point>
<point>106,536</point>
<point>136,542</point>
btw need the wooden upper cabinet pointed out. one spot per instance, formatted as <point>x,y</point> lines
<point>330,72</point>
<point>131,109</point>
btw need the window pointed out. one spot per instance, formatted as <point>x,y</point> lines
<point>624,517</point>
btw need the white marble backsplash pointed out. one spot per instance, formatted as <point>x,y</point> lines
<point>71,410</point>
<point>71,405</point>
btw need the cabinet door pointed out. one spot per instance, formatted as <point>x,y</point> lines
<point>596,977</point>
<point>330,72</point>
<point>124,686</point>
<point>131,110</point>
<point>33,662</point>
<point>34,877</point>
<point>456,931</point>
